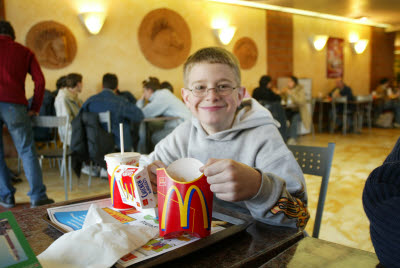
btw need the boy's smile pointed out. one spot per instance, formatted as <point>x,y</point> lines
<point>215,112</point>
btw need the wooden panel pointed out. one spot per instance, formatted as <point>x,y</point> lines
<point>2,10</point>
<point>382,55</point>
<point>279,44</point>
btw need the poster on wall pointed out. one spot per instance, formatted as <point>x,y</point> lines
<point>335,57</point>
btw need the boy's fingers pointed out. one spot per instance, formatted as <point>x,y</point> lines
<point>214,167</point>
<point>210,161</point>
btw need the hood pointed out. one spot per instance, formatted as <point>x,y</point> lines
<point>250,114</point>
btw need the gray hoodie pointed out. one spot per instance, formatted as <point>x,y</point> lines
<point>255,141</point>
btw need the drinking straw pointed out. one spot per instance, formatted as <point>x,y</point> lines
<point>121,136</point>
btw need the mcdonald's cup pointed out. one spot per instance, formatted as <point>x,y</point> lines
<point>135,187</point>
<point>185,200</point>
<point>113,161</point>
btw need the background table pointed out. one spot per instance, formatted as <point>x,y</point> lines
<point>256,245</point>
<point>312,252</point>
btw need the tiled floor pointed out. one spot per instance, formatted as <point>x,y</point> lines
<point>344,220</point>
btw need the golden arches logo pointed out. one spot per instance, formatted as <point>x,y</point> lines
<point>184,206</point>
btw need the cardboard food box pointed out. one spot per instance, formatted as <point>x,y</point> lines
<point>135,187</point>
<point>184,199</point>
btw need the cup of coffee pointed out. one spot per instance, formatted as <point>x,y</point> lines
<point>113,161</point>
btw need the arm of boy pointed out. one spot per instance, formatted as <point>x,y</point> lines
<point>230,180</point>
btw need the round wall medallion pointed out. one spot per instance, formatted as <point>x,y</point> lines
<point>164,38</point>
<point>53,44</point>
<point>246,51</point>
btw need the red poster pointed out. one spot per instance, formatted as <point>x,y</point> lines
<point>334,58</point>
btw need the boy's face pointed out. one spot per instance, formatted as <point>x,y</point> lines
<point>215,112</point>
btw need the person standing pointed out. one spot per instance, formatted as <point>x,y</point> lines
<point>16,61</point>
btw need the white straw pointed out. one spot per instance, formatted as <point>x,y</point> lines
<point>121,136</point>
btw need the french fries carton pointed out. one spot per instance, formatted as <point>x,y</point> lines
<point>185,200</point>
<point>135,187</point>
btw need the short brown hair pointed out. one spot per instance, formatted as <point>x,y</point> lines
<point>212,55</point>
<point>152,83</point>
<point>73,79</point>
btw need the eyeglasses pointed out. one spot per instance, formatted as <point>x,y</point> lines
<point>222,90</point>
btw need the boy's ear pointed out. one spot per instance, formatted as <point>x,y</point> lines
<point>241,94</point>
<point>185,96</point>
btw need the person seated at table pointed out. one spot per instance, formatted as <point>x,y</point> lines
<point>265,93</point>
<point>127,95</point>
<point>342,90</point>
<point>387,100</point>
<point>246,160</point>
<point>121,110</point>
<point>268,96</point>
<point>167,85</point>
<point>380,199</point>
<point>297,110</point>
<point>156,102</point>
<point>67,102</point>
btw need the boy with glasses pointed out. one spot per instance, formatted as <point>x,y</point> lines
<point>246,160</point>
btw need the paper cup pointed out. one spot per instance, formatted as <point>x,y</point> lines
<point>113,161</point>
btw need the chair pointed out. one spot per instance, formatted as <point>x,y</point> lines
<point>104,118</point>
<point>316,161</point>
<point>343,101</point>
<point>363,105</point>
<point>56,153</point>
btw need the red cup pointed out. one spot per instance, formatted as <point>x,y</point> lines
<point>113,161</point>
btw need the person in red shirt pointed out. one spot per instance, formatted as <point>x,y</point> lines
<point>16,61</point>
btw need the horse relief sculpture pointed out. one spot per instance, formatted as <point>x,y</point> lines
<point>164,38</point>
<point>53,44</point>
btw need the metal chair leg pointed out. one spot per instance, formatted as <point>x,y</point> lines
<point>90,173</point>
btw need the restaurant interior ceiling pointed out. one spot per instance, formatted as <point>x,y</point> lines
<point>381,13</point>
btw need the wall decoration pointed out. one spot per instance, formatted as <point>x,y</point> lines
<point>335,57</point>
<point>53,44</point>
<point>246,51</point>
<point>164,38</point>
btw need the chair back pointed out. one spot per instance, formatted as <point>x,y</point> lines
<point>50,121</point>
<point>316,161</point>
<point>105,118</point>
<point>53,122</point>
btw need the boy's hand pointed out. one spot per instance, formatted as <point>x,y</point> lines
<point>230,180</point>
<point>152,170</point>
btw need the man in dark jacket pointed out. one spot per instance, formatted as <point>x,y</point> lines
<point>122,111</point>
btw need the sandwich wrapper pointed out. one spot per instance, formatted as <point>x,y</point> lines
<point>101,242</point>
<point>185,200</point>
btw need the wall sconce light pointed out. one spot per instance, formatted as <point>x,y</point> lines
<point>225,34</point>
<point>93,21</point>
<point>318,42</point>
<point>359,46</point>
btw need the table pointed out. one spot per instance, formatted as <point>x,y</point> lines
<point>256,245</point>
<point>359,103</point>
<point>153,120</point>
<point>312,252</point>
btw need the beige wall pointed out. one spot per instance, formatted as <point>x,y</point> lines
<point>310,63</point>
<point>116,48</point>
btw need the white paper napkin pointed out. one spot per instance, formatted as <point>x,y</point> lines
<point>101,242</point>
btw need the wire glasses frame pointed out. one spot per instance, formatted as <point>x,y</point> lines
<point>222,90</point>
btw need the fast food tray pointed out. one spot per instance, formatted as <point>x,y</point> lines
<point>233,226</point>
